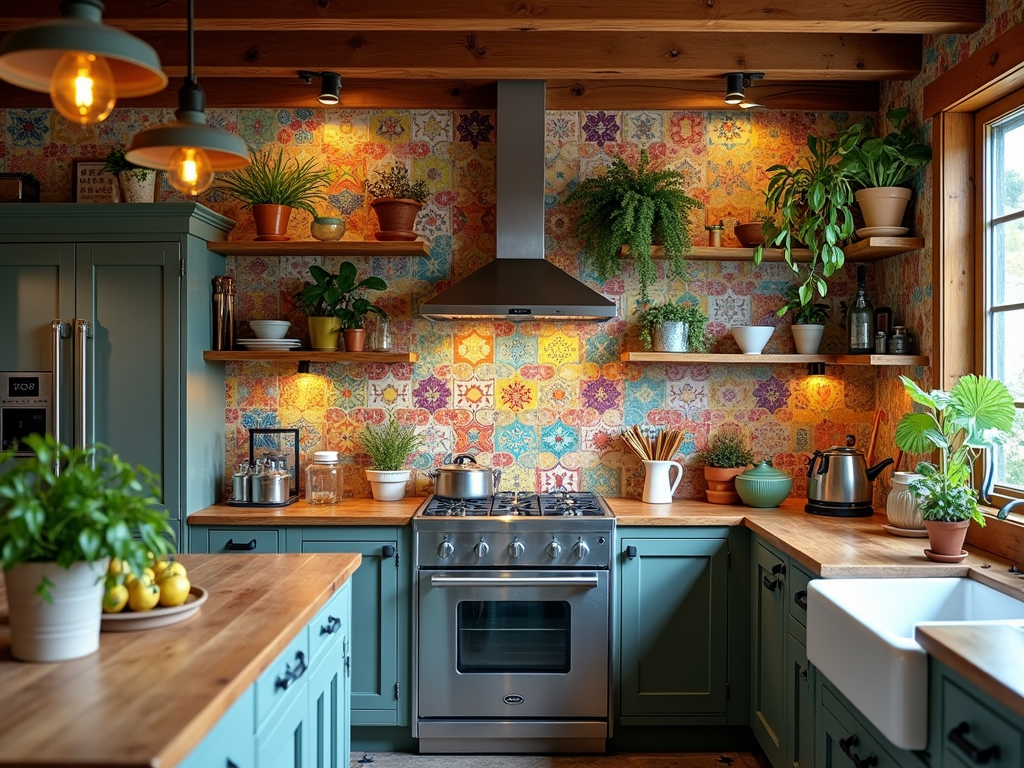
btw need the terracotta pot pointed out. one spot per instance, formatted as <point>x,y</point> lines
<point>271,221</point>
<point>396,217</point>
<point>323,333</point>
<point>883,206</point>
<point>749,234</point>
<point>946,538</point>
<point>354,339</point>
<point>722,484</point>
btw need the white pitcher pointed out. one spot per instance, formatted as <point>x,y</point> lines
<point>658,485</point>
<point>901,505</point>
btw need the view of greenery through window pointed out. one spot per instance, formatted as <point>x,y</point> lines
<point>1004,257</point>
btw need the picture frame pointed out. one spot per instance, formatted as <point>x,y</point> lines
<point>91,184</point>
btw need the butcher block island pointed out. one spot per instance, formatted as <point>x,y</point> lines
<point>239,675</point>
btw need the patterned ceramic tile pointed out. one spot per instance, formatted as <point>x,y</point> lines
<point>389,393</point>
<point>558,479</point>
<point>558,349</point>
<point>515,395</point>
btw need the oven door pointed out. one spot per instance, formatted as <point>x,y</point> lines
<point>513,644</point>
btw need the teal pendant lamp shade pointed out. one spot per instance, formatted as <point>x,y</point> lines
<point>28,56</point>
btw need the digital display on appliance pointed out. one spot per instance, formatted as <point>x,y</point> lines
<point>23,386</point>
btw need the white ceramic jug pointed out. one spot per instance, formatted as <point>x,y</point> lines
<point>658,485</point>
<point>900,504</point>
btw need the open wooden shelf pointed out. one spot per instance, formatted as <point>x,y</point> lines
<point>867,250</point>
<point>309,355</point>
<point>317,248</point>
<point>711,357</point>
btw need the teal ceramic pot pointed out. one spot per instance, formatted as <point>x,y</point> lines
<point>763,486</point>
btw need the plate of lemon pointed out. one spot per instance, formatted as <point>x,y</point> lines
<point>162,595</point>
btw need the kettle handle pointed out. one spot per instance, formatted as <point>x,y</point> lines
<point>824,464</point>
<point>810,464</point>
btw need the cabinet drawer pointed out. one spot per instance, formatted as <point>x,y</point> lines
<point>973,734</point>
<point>847,740</point>
<point>231,740</point>
<point>798,580</point>
<point>278,682</point>
<point>328,625</point>
<point>246,542</point>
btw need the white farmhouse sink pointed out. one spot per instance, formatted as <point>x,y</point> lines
<point>860,635</point>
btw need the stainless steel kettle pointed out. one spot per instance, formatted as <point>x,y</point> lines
<point>839,481</point>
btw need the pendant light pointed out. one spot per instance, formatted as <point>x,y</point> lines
<point>82,63</point>
<point>189,149</point>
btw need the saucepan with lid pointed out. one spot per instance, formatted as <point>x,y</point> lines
<point>465,479</point>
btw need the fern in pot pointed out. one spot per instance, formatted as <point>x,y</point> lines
<point>389,447</point>
<point>673,328</point>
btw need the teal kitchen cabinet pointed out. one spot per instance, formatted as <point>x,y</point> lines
<point>801,677</point>
<point>231,740</point>
<point>214,540</point>
<point>673,625</point>
<point>132,284</point>
<point>381,641</point>
<point>331,669</point>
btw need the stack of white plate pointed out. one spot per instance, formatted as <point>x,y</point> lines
<point>269,345</point>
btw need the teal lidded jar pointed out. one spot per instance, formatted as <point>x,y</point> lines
<point>764,485</point>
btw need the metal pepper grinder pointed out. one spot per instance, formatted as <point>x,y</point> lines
<point>223,312</point>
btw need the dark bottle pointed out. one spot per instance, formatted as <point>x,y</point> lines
<point>860,321</point>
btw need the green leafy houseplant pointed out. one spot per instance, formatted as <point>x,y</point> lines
<point>804,314</point>
<point>636,207</point>
<point>726,451</point>
<point>976,414</point>
<point>395,182</point>
<point>340,295</point>
<point>390,445</point>
<point>97,507</point>
<point>889,161</point>
<point>696,320</point>
<point>270,180</point>
<point>116,164</point>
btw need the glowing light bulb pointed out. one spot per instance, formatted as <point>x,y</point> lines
<point>82,88</point>
<point>190,171</point>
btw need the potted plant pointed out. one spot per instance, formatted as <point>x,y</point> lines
<point>882,166</point>
<point>673,328</point>
<point>808,319</point>
<point>137,184</point>
<point>813,202</point>
<point>272,187</point>
<point>58,531</point>
<point>334,304</point>
<point>977,413</point>
<point>725,458</point>
<point>635,207</point>
<point>389,447</point>
<point>397,201</point>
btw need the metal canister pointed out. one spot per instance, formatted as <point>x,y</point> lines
<point>899,344</point>
<point>880,342</point>
<point>241,482</point>
<point>223,312</point>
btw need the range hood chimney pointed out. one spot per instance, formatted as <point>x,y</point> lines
<point>520,284</point>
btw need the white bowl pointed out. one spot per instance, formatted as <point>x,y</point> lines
<point>752,338</point>
<point>269,329</point>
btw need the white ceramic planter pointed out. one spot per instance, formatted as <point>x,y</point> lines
<point>883,206</point>
<point>807,338</point>
<point>136,190</point>
<point>901,505</point>
<point>66,628</point>
<point>671,336</point>
<point>388,486</point>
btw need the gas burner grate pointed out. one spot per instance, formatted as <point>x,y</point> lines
<point>570,504</point>
<point>440,506</point>
<point>515,503</point>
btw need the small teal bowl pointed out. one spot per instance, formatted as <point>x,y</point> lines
<point>763,486</point>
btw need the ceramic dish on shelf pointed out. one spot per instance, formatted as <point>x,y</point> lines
<point>389,236</point>
<point>131,621</point>
<point>910,533</point>
<point>882,231</point>
<point>270,343</point>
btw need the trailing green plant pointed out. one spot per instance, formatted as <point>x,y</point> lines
<point>696,334</point>
<point>96,507</point>
<point>636,207</point>
<point>277,181</point>
<point>395,182</point>
<point>813,202</point>
<point>976,414</point>
<point>340,295</point>
<point>390,445</point>
<point>889,161</point>
<point>804,314</point>
<point>116,164</point>
<point>727,451</point>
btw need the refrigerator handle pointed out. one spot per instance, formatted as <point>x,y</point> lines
<point>60,332</point>
<point>82,330</point>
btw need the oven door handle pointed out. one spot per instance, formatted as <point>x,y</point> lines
<point>589,580</point>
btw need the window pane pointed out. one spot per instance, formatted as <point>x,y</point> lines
<point>1007,254</point>
<point>1009,458</point>
<point>1007,351</point>
<point>1008,158</point>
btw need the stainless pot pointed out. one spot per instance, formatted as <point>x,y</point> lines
<point>841,475</point>
<point>465,479</point>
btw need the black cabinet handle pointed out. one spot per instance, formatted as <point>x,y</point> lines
<point>389,551</point>
<point>240,547</point>
<point>291,674</point>
<point>800,598</point>
<point>770,584</point>
<point>847,746</point>
<point>975,754</point>
<point>631,552</point>
<point>333,625</point>
<point>231,763</point>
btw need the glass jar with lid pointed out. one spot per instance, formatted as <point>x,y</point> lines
<point>323,478</point>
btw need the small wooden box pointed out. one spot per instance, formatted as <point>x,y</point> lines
<point>18,188</point>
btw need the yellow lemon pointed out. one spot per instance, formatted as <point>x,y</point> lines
<point>143,594</point>
<point>173,590</point>
<point>117,567</point>
<point>115,599</point>
<point>164,568</point>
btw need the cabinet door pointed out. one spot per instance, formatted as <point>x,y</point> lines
<point>768,653</point>
<point>377,606</point>
<point>800,697</point>
<point>974,734</point>
<point>230,744</point>
<point>673,626</point>
<point>328,689</point>
<point>284,741</point>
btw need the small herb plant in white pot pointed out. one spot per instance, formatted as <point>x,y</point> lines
<point>808,320</point>
<point>389,447</point>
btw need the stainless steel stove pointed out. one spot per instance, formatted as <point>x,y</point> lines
<point>512,623</point>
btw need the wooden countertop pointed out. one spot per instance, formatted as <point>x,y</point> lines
<point>345,512</point>
<point>148,698</point>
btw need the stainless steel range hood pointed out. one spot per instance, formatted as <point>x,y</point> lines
<point>520,284</point>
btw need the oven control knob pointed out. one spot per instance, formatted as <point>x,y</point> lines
<point>580,549</point>
<point>516,548</point>
<point>481,548</point>
<point>445,549</point>
<point>554,549</point>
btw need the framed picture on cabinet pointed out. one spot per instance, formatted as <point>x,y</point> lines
<point>91,184</point>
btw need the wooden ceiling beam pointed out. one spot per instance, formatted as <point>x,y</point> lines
<point>543,55</point>
<point>849,16</point>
